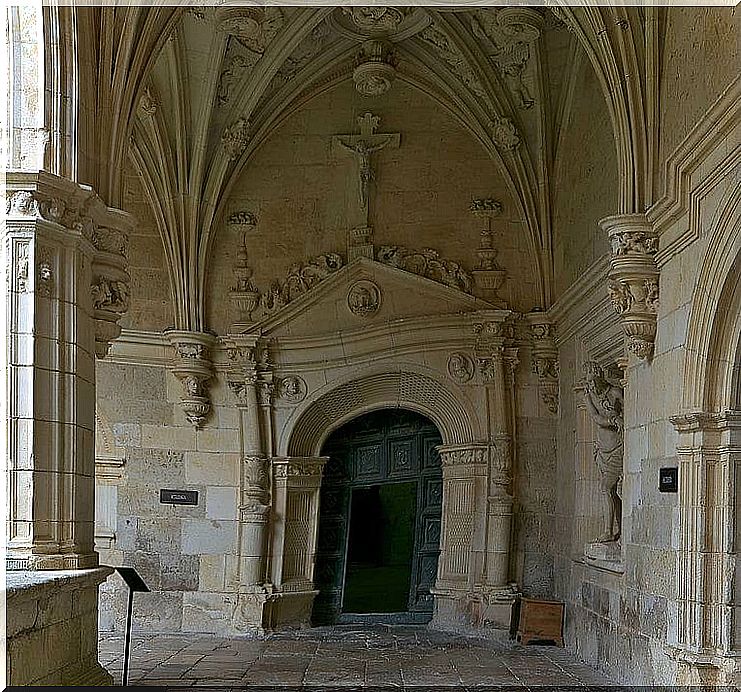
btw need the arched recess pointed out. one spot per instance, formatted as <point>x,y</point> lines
<point>712,349</point>
<point>709,454</point>
<point>401,389</point>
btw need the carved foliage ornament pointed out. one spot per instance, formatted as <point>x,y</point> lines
<point>376,20</point>
<point>449,52</point>
<point>504,134</point>
<point>236,138</point>
<point>634,279</point>
<point>297,469</point>
<point>426,263</point>
<point>300,279</point>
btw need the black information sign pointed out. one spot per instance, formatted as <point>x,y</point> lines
<point>669,480</point>
<point>179,497</point>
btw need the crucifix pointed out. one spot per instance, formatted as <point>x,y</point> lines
<point>361,147</point>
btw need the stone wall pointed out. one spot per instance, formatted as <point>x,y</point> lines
<point>302,191</point>
<point>184,554</point>
<point>626,618</point>
<point>700,59</point>
<point>584,187</point>
<point>52,628</point>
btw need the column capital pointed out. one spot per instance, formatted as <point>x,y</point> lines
<point>299,467</point>
<point>634,278</point>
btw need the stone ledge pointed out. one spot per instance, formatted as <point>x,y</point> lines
<point>34,583</point>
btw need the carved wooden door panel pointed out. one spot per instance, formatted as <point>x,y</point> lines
<point>390,446</point>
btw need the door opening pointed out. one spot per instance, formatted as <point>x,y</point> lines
<point>380,549</point>
<point>380,511</point>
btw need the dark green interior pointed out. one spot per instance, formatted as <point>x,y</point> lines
<point>380,549</point>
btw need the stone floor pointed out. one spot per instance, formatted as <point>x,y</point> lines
<point>380,656</point>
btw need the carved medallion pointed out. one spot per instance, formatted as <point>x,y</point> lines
<point>460,367</point>
<point>292,389</point>
<point>364,298</point>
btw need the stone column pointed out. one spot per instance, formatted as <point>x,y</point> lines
<point>255,476</point>
<point>65,254</point>
<point>462,536</point>
<point>634,279</point>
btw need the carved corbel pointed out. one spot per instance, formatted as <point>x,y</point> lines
<point>192,366</point>
<point>544,358</point>
<point>634,279</point>
<point>110,285</point>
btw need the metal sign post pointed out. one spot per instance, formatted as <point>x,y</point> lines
<point>135,583</point>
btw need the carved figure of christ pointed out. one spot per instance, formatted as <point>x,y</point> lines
<point>362,146</point>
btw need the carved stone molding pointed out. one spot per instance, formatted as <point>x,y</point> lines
<point>544,358</point>
<point>492,335</point>
<point>634,279</point>
<point>464,455</point>
<point>426,263</point>
<point>461,367</point>
<point>298,467</point>
<point>192,366</point>
<point>364,298</point>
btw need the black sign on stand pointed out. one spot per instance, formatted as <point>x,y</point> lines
<point>135,583</point>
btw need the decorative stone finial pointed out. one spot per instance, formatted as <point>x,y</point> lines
<point>488,276</point>
<point>243,295</point>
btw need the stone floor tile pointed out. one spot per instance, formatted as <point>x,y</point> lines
<point>344,657</point>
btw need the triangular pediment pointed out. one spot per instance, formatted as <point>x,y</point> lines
<point>365,294</point>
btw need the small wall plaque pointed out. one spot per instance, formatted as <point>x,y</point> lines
<point>179,497</point>
<point>669,480</point>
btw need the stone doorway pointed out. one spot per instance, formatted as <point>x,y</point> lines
<point>379,520</point>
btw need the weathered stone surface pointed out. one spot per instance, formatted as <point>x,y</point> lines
<point>204,537</point>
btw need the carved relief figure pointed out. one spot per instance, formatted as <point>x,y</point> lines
<point>604,399</point>
<point>460,367</point>
<point>363,298</point>
<point>511,41</point>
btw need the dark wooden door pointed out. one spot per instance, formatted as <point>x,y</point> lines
<point>389,446</point>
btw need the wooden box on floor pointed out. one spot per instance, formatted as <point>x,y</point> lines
<point>540,621</point>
